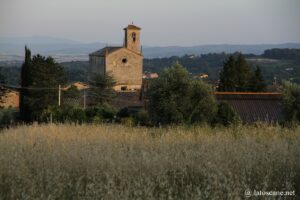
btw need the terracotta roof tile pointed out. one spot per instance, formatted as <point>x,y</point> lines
<point>255,106</point>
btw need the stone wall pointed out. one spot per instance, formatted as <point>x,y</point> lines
<point>97,65</point>
<point>126,68</point>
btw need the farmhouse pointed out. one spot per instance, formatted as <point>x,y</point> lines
<point>123,63</point>
<point>10,99</point>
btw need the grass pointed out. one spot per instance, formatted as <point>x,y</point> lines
<point>117,162</point>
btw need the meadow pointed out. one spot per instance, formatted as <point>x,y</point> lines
<point>119,162</point>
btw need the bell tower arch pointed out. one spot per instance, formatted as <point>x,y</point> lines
<point>132,38</point>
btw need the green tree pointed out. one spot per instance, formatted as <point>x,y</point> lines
<point>25,83</point>
<point>176,98</point>
<point>291,100</point>
<point>2,89</point>
<point>228,76</point>
<point>236,75</point>
<point>101,88</point>
<point>72,97</point>
<point>72,92</point>
<point>40,79</point>
<point>243,74</point>
<point>257,82</point>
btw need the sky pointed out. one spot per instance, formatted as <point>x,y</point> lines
<point>163,22</point>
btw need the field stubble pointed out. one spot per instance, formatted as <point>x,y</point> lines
<point>117,162</point>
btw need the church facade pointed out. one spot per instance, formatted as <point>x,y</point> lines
<point>124,63</point>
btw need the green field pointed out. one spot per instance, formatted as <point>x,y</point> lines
<point>118,162</point>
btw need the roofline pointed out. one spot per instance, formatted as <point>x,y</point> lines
<point>120,47</point>
<point>128,50</point>
<point>250,93</point>
<point>131,26</point>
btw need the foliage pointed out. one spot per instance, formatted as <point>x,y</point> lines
<point>76,70</point>
<point>72,97</point>
<point>210,64</point>
<point>237,76</point>
<point>176,98</point>
<point>288,54</point>
<point>71,92</point>
<point>97,114</point>
<point>123,112</point>
<point>2,89</point>
<point>142,118</point>
<point>226,115</point>
<point>119,162</point>
<point>8,116</point>
<point>128,121</point>
<point>104,113</point>
<point>101,88</point>
<point>291,102</point>
<point>25,83</point>
<point>257,82</point>
<point>39,79</point>
<point>11,74</point>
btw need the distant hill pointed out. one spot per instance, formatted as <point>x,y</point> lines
<point>160,52</point>
<point>57,47</point>
<point>45,45</point>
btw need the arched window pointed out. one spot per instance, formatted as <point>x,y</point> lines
<point>133,35</point>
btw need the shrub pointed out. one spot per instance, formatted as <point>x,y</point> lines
<point>128,121</point>
<point>175,98</point>
<point>226,115</point>
<point>142,118</point>
<point>291,101</point>
<point>8,116</point>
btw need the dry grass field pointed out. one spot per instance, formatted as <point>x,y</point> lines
<point>117,162</point>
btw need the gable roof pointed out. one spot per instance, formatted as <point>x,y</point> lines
<point>131,26</point>
<point>253,107</point>
<point>108,50</point>
<point>104,51</point>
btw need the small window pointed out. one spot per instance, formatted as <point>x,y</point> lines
<point>133,36</point>
<point>124,88</point>
<point>124,60</point>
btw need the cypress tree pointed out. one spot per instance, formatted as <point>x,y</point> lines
<point>25,82</point>
<point>257,82</point>
<point>243,74</point>
<point>40,77</point>
<point>228,76</point>
<point>237,76</point>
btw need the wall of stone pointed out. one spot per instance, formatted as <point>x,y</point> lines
<point>126,68</point>
<point>97,65</point>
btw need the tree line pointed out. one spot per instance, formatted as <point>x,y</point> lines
<point>175,97</point>
<point>238,76</point>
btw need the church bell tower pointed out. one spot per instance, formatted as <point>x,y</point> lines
<point>132,38</point>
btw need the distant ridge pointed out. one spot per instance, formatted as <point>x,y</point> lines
<point>58,46</point>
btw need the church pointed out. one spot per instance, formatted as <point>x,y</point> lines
<point>123,63</point>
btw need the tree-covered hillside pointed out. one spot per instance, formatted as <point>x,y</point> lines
<point>284,64</point>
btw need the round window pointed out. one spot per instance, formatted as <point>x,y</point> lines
<point>124,60</point>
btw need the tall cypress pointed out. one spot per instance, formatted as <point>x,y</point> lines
<point>257,82</point>
<point>25,83</point>
<point>244,74</point>
<point>228,76</point>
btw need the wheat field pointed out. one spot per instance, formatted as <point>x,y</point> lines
<point>119,162</point>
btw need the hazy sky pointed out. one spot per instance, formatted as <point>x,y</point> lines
<point>163,22</point>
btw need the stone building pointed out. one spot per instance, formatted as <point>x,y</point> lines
<point>124,63</point>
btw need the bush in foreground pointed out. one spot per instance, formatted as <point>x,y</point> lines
<point>176,98</point>
<point>117,162</point>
